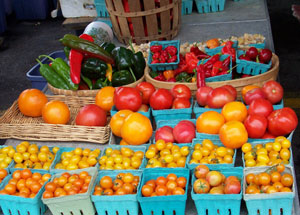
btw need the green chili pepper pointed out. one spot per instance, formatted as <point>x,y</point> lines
<point>87,81</point>
<point>122,77</point>
<point>108,46</point>
<point>86,47</point>
<point>94,68</point>
<point>139,63</point>
<point>63,70</point>
<point>183,77</point>
<point>52,77</point>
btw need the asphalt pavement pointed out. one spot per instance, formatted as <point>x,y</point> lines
<point>24,41</point>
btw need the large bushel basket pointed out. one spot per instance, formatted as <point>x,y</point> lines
<point>144,20</point>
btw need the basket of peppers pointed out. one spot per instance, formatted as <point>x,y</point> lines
<point>92,67</point>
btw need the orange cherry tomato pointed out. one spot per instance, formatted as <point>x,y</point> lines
<point>48,194</point>
<point>287,180</point>
<point>147,190</point>
<point>172,177</point>
<point>106,182</point>
<point>10,189</point>
<point>264,178</point>
<point>26,173</point>
<point>50,186</point>
<point>17,174</point>
<point>181,182</point>
<point>117,183</point>
<point>178,191</point>
<point>129,188</point>
<point>161,190</point>
<point>151,183</point>
<point>171,185</point>
<point>35,187</point>
<point>161,181</point>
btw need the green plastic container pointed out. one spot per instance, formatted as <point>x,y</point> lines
<point>78,204</point>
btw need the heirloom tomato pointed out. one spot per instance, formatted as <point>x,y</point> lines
<point>161,99</point>
<point>181,91</point>
<point>91,115</point>
<point>233,134</point>
<point>210,122</point>
<point>273,91</point>
<point>146,89</point>
<point>218,97</point>
<point>256,125</point>
<point>127,98</point>
<point>201,95</point>
<point>260,107</point>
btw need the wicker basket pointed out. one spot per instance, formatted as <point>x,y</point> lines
<point>258,80</point>
<point>13,124</point>
<point>85,93</point>
<point>155,22</point>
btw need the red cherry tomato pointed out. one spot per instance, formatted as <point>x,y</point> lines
<point>127,98</point>
<point>146,89</point>
<point>161,99</point>
<point>282,122</point>
<point>181,91</point>
<point>273,91</point>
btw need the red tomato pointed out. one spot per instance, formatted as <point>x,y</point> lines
<point>260,107</point>
<point>201,95</point>
<point>91,115</point>
<point>282,122</point>
<point>181,91</point>
<point>267,135</point>
<point>231,89</point>
<point>165,133</point>
<point>232,187</point>
<point>146,89</point>
<point>184,132</point>
<point>273,91</point>
<point>179,103</point>
<point>256,125</point>
<point>218,97</point>
<point>161,99</point>
<point>127,98</point>
<point>251,95</point>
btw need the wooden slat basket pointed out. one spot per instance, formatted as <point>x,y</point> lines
<point>258,80</point>
<point>13,124</point>
<point>144,20</point>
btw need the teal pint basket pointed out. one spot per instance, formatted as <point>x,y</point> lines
<point>147,114</point>
<point>112,205</point>
<point>214,166</point>
<point>22,206</point>
<point>275,203</point>
<point>164,66</point>
<point>208,6</point>
<point>217,50</point>
<point>12,168</point>
<point>101,8</point>
<point>167,205</point>
<point>187,7</point>
<point>220,77</point>
<point>224,204</point>
<point>249,67</point>
<point>264,141</point>
<point>134,148</point>
<point>170,114</point>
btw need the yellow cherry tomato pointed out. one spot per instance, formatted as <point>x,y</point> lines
<point>269,146</point>
<point>228,159</point>
<point>150,153</point>
<point>208,143</point>
<point>55,149</point>
<point>197,155</point>
<point>262,151</point>
<point>18,157</point>
<point>197,146</point>
<point>184,150</point>
<point>21,148</point>
<point>247,147</point>
<point>250,162</point>
<point>249,155</point>
<point>276,146</point>
<point>221,151</point>
<point>279,139</point>
<point>33,149</point>
<point>160,145</point>
<point>205,151</point>
<point>285,154</point>
<point>286,144</point>
<point>263,159</point>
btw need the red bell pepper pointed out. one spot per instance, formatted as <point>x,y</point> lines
<point>156,48</point>
<point>75,59</point>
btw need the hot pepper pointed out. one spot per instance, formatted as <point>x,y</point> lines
<point>160,77</point>
<point>226,62</point>
<point>171,50</point>
<point>228,49</point>
<point>168,74</point>
<point>211,61</point>
<point>217,68</point>
<point>191,61</point>
<point>156,48</point>
<point>94,68</point>
<point>86,47</point>
<point>199,54</point>
<point>63,70</point>
<point>52,77</point>
<point>200,76</point>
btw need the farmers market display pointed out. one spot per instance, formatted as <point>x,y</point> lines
<point>160,132</point>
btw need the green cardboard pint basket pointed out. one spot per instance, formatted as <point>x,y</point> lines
<point>75,204</point>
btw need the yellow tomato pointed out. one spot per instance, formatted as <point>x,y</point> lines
<point>102,160</point>
<point>269,146</point>
<point>197,146</point>
<point>250,162</point>
<point>160,145</point>
<point>18,157</point>
<point>46,166</point>
<point>184,150</point>
<point>136,163</point>
<point>21,148</point>
<point>197,155</point>
<point>230,151</point>
<point>83,164</point>
<point>42,156</point>
<point>78,151</point>
<point>92,161</point>
<point>139,154</point>
<point>150,153</point>
<point>181,162</point>
<point>262,151</point>
<point>169,145</point>
<point>276,146</point>
<point>228,159</point>
<point>11,152</point>
<point>205,151</point>
<point>26,156</point>
<point>247,147</point>
<point>279,139</point>
<point>285,154</point>
<point>208,143</point>
<point>168,158</point>
<point>25,143</point>
<point>75,159</point>
<point>72,167</point>
<point>8,160</point>
<point>58,166</point>
<point>165,152</point>
<point>66,162</point>
<point>118,159</point>
<point>127,152</point>
<point>221,151</point>
<point>176,156</point>
<point>273,155</point>
<point>249,155</point>
<point>172,165</point>
<point>33,149</point>
<point>19,165</point>
<point>3,165</point>
<point>86,152</point>
<point>263,159</point>
<point>28,164</point>
<point>193,161</point>
<point>286,144</point>
<point>44,149</point>
<point>175,148</point>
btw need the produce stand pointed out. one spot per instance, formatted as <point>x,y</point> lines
<point>239,17</point>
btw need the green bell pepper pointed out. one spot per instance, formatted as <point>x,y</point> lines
<point>108,47</point>
<point>123,58</point>
<point>94,68</point>
<point>122,77</point>
<point>100,83</point>
<point>139,63</point>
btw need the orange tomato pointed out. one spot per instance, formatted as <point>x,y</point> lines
<point>10,189</point>
<point>234,111</point>
<point>26,173</point>
<point>37,176</point>
<point>47,194</point>
<point>136,129</point>
<point>3,173</point>
<point>106,182</point>
<point>233,134</point>
<point>210,122</point>
<point>105,98</point>
<point>17,174</point>
<point>117,121</point>
<point>31,102</point>
<point>56,112</point>
<point>287,180</point>
<point>248,88</point>
<point>50,186</point>
<point>35,187</point>
<point>212,43</point>
<point>83,175</point>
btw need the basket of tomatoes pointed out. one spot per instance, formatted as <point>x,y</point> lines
<point>163,192</point>
<point>21,192</point>
<point>269,190</point>
<point>217,192</point>
<point>69,192</point>
<point>116,192</point>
